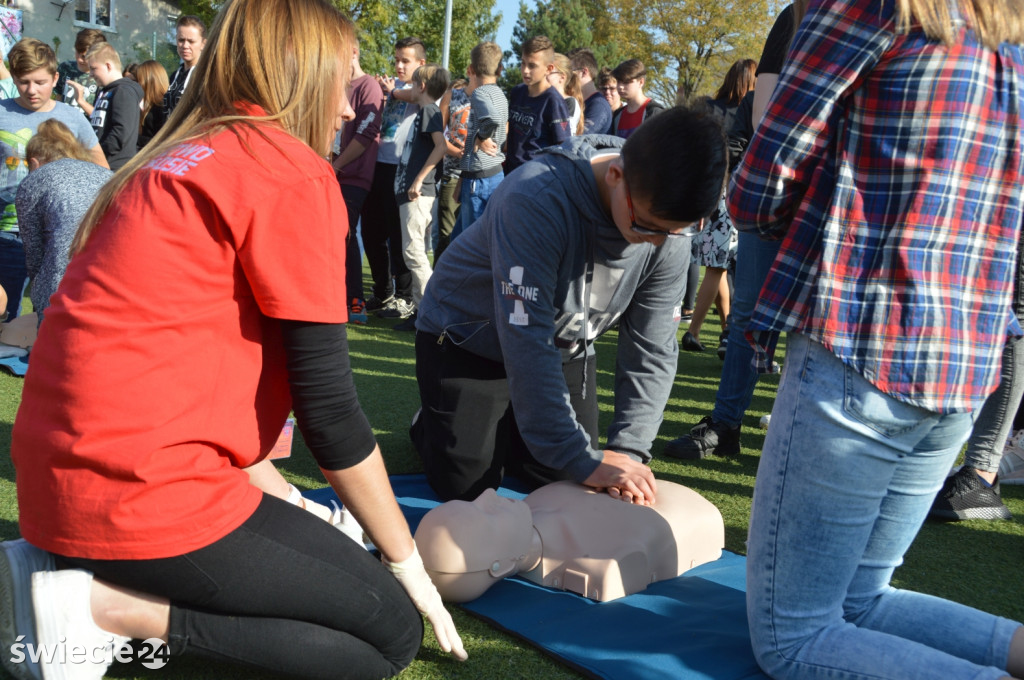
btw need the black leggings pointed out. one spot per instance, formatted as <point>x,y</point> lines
<point>285,592</point>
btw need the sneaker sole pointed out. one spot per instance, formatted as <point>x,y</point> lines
<point>973,513</point>
<point>18,619</point>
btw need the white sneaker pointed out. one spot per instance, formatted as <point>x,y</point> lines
<point>18,560</point>
<point>78,649</point>
<point>340,517</point>
<point>345,522</point>
<point>1011,467</point>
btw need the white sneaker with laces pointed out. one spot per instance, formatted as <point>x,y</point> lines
<point>64,623</point>
<point>1011,467</point>
<point>18,561</point>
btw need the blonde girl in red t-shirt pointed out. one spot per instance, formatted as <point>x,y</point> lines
<point>139,417</point>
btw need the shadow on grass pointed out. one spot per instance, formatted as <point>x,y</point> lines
<point>968,562</point>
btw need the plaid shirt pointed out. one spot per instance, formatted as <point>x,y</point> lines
<point>891,168</point>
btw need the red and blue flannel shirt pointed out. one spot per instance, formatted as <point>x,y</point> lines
<point>891,168</point>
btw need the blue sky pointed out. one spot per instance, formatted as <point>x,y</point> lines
<point>509,12</point>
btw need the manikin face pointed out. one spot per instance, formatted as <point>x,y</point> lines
<point>35,88</point>
<point>406,63</point>
<point>190,43</point>
<point>464,537</point>
<point>534,67</point>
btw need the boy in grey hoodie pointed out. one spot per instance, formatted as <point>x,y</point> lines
<point>506,373</point>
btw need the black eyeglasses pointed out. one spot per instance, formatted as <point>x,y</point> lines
<point>688,230</point>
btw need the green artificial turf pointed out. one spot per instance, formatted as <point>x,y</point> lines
<point>976,562</point>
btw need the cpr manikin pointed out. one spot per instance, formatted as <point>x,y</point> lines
<point>567,536</point>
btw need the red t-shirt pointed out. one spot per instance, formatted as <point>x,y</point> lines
<point>157,375</point>
<point>629,122</point>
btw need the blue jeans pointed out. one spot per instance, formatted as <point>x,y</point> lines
<point>846,478</point>
<point>473,199</point>
<point>754,258</point>
<point>13,272</point>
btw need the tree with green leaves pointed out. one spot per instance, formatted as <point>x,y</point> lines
<point>382,22</point>
<point>204,9</point>
<point>688,45</point>
<point>568,24</point>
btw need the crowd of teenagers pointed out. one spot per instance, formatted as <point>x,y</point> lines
<point>858,187</point>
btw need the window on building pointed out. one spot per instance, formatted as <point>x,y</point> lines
<point>99,13</point>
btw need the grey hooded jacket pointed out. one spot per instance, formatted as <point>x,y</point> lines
<point>511,288</point>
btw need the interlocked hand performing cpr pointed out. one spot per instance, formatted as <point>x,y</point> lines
<point>413,577</point>
<point>624,478</point>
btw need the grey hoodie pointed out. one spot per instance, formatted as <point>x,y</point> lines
<point>511,289</point>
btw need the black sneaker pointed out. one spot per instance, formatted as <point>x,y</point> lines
<point>723,342</point>
<point>707,438</point>
<point>690,343</point>
<point>375,304</point>
<point>408,325</point>
<point>965,495</point>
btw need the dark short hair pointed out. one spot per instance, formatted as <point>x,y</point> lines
<point>413,42</point>
<point>192,20</point>
<point>631,69</point>
<point>88,37</point>
<point>581,58</point>
<point>434,79</point>
<point>677,161</point>
<point>539,43</point>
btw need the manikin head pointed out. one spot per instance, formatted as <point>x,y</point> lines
<point>469,546</point>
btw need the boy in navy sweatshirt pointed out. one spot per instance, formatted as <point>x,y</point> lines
<point>536,113</point>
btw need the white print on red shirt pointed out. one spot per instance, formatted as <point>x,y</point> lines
<point>179,160</point>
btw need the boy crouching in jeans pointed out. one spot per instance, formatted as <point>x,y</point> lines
<point>415,178</point>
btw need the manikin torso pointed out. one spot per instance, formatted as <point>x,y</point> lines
<point>567,536</point>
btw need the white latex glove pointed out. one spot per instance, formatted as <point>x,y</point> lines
<point>413,577</point>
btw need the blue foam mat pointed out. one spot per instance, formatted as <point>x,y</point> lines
<point>693,627</point>
<point>16,365</point>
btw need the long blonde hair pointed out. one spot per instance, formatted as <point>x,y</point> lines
<point>995,21</point>
<point>286,56</point>
<point>153,79</point>
<point>53,141</point>
<point>572,86</point>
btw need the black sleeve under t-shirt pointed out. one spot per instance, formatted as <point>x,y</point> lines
<point>323,394</point>
<point>773,56</point>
